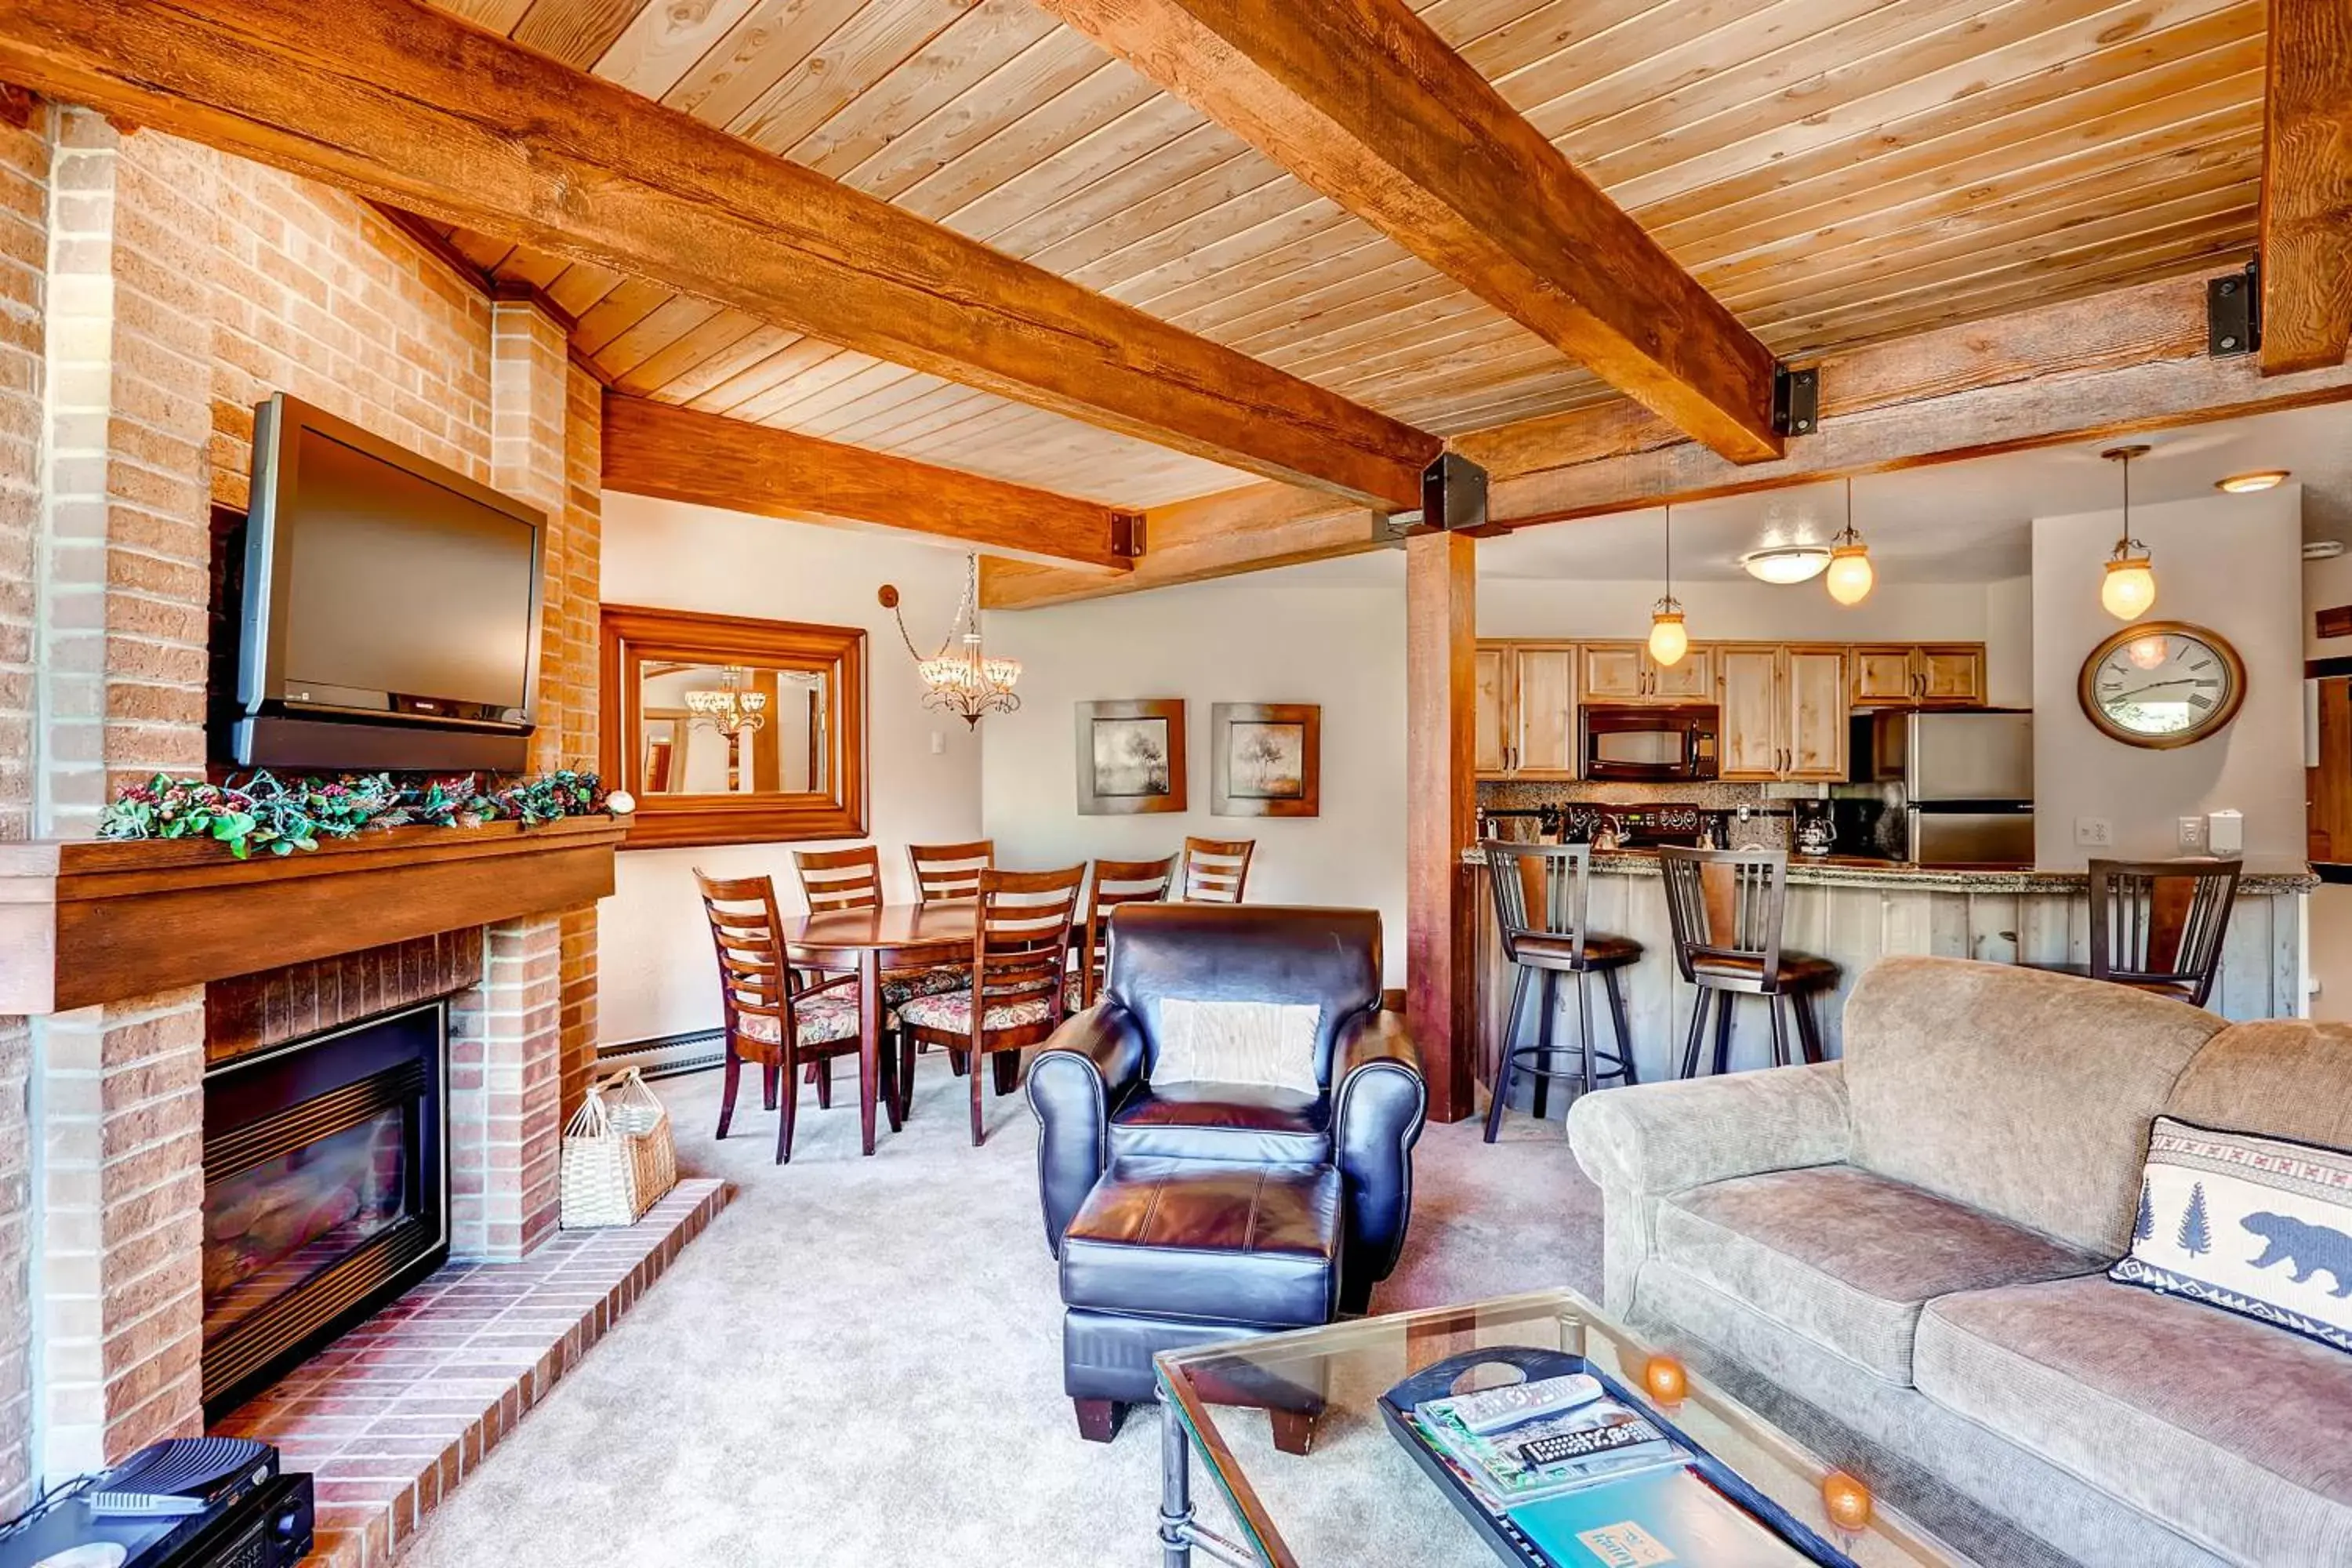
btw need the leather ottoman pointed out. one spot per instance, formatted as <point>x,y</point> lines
<point>1168,1254</point>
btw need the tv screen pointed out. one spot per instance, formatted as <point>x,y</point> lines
<point>381,589</point>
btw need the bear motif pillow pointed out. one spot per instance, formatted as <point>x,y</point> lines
<point>2257,1225</point>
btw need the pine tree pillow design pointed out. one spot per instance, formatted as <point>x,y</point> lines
<point>2256,1226</point>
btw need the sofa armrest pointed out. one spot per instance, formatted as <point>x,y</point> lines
<point>1379,1103</point>
<point>1086,1070</point>
<point>1642,1141</point>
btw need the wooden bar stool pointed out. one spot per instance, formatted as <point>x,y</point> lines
<point>2158,925</point>
<point>1113,883</point>
<point>1215,869</point>
<point>1539,907</point>
<point>1727,908</point>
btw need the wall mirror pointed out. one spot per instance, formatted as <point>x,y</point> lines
<point>734,730</point>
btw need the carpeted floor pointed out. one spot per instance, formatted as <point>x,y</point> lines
<point>859,1363</point>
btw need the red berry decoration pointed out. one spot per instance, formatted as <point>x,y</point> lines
<point>1664,1376</point>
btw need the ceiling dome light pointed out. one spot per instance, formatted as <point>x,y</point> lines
<point>1785,564</point>
<point>2247,484</point>
<point>2128,590</point>
<point>1851,574</point>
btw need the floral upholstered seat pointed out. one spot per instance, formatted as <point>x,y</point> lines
<point>897,990</point>
<point>817,1020</point>
<point>950,1011</point>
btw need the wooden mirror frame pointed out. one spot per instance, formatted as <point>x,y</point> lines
<point>633,634</point>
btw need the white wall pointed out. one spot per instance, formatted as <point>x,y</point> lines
<point>2009,643</point>
<point>2230,562</point>
<point>654,962</point>
<point>1269,637</point>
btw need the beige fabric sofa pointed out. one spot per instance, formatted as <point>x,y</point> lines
<point>1902,1254</point>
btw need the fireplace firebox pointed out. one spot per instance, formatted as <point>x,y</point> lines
<point>326,1192</point>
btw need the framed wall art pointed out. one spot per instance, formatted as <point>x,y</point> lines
<point>1131,756</point>
<point>1265,759</point>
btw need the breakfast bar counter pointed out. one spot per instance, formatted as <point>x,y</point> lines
<point>1855,912</point>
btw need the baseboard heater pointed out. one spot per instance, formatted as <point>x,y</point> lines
<point>666,1055</point>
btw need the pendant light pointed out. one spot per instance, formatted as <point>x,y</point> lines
<point>2129,588</point>
<point>1850,573</point>
<point>1669,640</point>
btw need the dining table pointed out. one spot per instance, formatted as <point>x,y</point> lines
<point>886,940</point>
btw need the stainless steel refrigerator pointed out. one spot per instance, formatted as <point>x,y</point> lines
<point>1967,777</point>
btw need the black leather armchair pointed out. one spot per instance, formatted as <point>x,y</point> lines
<point>1095,1104</point>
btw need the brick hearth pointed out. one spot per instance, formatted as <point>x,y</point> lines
<point>401,1409</point>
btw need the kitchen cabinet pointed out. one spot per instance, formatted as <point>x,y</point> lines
<point>1916,675</point>
<point>1527,710</point>
<point>1784,710</point>
<point>1624,672</point>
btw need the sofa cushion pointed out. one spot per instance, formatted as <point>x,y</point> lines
<point>2231,1430</point>
<point>2282,1078</point>
<point>1222,1121</point>
<point>2257,1225</point>
<point>2025,1094</point>
<point>1846,1257</point>
<point>1254,1245</point>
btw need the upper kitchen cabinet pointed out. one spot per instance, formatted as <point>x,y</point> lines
<point>1624,672</point>
<point>1916,675</point>
<point>1527,710</point>
<point>1783,711</point>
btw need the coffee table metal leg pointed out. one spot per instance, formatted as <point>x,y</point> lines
<point>1175,1489</point>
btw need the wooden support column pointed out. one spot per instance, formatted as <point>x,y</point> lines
<point>1440,704</point>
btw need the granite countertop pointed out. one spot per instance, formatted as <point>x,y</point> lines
<point>1843,871</point>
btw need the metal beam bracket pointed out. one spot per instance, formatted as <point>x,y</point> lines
<point>1796,400</point>
<point>1127,535</point>
<point>2234,312</point>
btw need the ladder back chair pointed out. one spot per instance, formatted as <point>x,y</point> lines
<point>834,879</point>
<point>1540,894</point>
<point>1727,908</point>
<point>947,872</point>
<point>1215,869</point>
<point>770,1017</point>
<point>1113,883</point>
<point>2158,925</point>
<point>1020,968</point>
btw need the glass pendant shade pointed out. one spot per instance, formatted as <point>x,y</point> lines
<point>1669,640</point>
<point>2129,589</point>
<point>1850,575</point>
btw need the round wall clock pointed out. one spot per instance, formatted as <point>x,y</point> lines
<point>2162,684</point>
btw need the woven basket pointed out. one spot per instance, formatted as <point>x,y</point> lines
<point>618,1156</point>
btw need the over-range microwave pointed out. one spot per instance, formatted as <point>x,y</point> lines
<point>1642,744</point>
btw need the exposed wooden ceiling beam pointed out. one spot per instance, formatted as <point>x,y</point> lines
<point>1246,529</point>
<point>1362,100</point>
<point>657,449</point>
<point>2092,369</point>
<point>2307,187</point>
<point>404,104</point>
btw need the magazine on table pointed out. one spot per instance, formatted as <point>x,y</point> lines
<point>1529,1441</point>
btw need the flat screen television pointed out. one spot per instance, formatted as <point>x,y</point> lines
<point>390,606</point>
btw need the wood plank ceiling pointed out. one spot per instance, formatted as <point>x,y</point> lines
<point>1837,172</point>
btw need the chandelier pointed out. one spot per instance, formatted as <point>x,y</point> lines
<point>961,679</point>
<point>726,707</point>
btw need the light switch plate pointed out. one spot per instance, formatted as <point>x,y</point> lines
<point>2192,835</point>
<point>2094,832</point>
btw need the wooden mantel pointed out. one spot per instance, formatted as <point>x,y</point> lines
<point>84,923</point>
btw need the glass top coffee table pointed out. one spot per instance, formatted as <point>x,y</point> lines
<point>1356,1497</point>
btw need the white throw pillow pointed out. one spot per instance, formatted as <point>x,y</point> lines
<point>1268,1045</point>
<point>2255,1226</point>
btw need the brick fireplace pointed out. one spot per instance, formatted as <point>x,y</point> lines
<point>151,293</point>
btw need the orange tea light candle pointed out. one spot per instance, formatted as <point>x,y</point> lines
<point>1846,1500</point>
<point>1664,1376</point>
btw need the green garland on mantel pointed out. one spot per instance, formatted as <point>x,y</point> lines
<point>265,812</point>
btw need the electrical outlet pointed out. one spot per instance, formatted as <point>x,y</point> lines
<point>2192,835</point>
<point>2094,832</point>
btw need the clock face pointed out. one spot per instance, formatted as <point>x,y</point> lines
<point>2163,684</point>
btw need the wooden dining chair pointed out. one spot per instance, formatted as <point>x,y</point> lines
<point>1111,884</point>
<point>1020,966</point>
<point>1215,869</point>
<point>834,879</point>
<point>946,872</point>
<point>1725,907</point>
<point>2158,925</point>
<point>772,1018</point>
